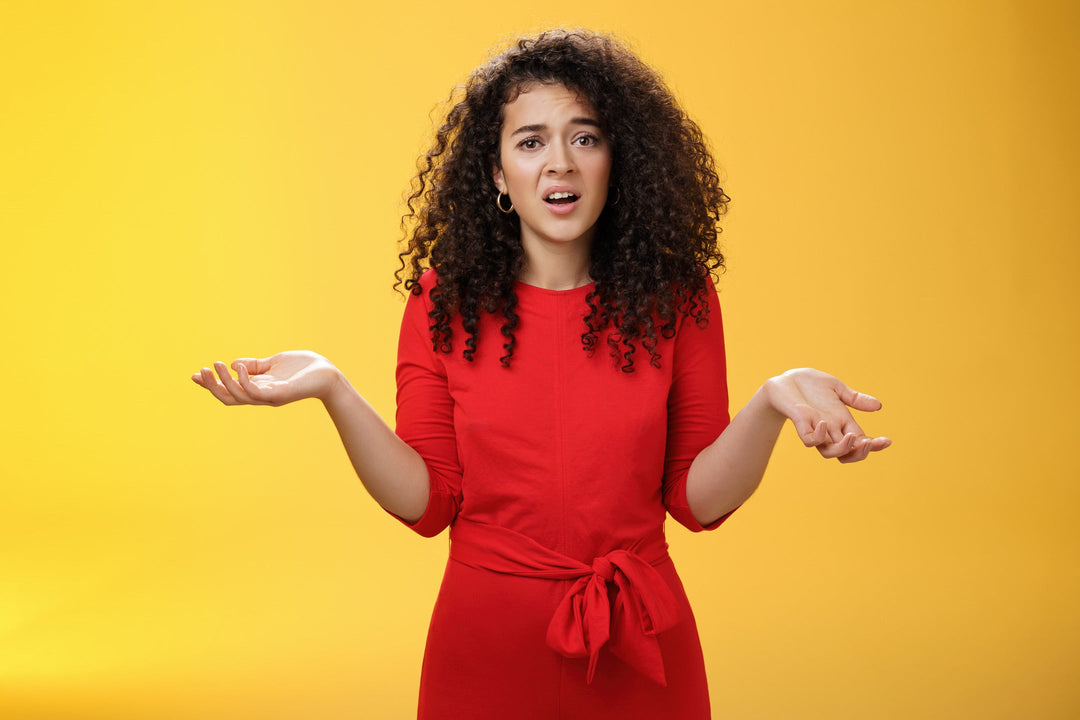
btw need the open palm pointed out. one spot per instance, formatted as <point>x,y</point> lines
<point>276,380</point>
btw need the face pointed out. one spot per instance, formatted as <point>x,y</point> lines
<point>555,164</point>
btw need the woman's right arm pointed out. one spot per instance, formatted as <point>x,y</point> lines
<point>394,473</point>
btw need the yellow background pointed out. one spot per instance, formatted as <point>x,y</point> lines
<point>186,182</point>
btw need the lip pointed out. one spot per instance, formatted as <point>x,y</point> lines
<point>564,208</point>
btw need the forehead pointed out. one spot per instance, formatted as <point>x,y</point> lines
<point>538,100</point>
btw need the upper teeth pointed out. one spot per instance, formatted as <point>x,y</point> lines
<point>560,195</point>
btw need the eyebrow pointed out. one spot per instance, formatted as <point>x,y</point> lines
<point>537,128</point>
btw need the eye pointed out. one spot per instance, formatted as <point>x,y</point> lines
<point>586,140</point>
<point>529,143</point>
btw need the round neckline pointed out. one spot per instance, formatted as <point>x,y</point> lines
<point>536,289</point>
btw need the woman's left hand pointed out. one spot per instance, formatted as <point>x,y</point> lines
<point>817,404</point>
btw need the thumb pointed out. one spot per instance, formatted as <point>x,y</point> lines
<point>254,366</point>
<point>857,400</point>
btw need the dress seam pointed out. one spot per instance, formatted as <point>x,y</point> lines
<point>560,402</point>
<point>559,302</point>
<point>559,698</point>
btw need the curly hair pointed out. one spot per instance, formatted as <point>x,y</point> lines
<point>653,250</point>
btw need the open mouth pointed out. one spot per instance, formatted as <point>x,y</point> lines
<point>561,198</point>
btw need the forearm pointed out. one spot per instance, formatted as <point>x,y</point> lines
<point>727,472</point>
<point>392,472</point>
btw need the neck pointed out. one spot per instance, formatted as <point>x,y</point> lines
<point>556,266</point>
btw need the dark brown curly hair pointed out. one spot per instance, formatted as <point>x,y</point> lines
<point>653,250</point>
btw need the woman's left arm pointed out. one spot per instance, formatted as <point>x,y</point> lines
<point>726,473</point>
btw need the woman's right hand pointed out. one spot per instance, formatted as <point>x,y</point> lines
<point>276,380</point>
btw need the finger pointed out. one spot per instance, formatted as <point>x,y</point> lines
<point>879,443</point>
<point>857,400</point>
<point>255,392</point>
<point>867,446</point>
<point>254,366</point>
<point>845,446</point>
<point>861,451</point>
<point>834,431</point>
<point>810,432</point>
<point>230,383</point>
<point>210,382</point>
<point>849,426</point>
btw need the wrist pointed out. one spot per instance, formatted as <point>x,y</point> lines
<point>768,398</point>
<point>334,388</point>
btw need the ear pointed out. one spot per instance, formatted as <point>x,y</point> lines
<point>497,177</point>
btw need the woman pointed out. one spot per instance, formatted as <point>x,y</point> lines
<point>561,388</point>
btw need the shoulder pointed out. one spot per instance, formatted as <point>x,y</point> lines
<point>700,324</point>
<point>697,302</point>
<point>426,282</point>
<point>418,292</point>
<point>418,303</point>
<point>429,279</point>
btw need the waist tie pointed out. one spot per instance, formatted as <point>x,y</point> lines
<point>586,619</point>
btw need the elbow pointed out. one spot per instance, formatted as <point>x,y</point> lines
<point>712,498</point>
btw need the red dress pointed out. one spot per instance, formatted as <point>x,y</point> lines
<point>555,475</point>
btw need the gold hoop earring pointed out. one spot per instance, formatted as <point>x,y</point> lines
<point>499,204</point>
<point>618,195</point>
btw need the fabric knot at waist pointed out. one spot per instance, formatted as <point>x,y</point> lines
<point>587,618</point>
<point>604,568</point>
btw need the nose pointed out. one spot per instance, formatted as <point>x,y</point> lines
<point>560,161</point>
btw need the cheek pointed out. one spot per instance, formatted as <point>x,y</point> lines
<point>516,172</point>
<point>600,170</point>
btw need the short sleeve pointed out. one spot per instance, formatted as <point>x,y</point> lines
<point>425,413</point>
<point>697,406</point>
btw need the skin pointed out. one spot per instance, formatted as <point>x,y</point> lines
<point>551,139</point>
